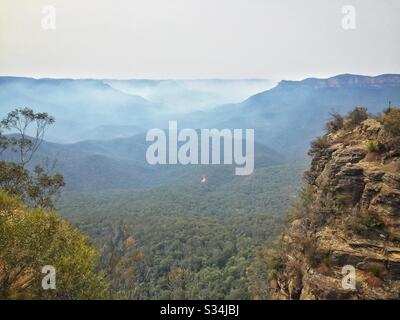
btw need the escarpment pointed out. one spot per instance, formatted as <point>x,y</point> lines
<point>348,215</point>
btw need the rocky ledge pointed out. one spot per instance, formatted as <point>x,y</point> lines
<point>349,215</point>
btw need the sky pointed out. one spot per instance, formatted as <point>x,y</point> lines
<point>198,39</point>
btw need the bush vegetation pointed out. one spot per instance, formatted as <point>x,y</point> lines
<point>32,236</point>
<point>377,269</point>
<point>264,270</point>
<point>364,223</point>
<point>37,188</point>
<point>335,123</point>
<point>391,120</point>
<point>356,116</point>
<point>51,241</point>
<point>318,144</point>
<point>373,146</point>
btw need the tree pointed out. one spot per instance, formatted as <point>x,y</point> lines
<point>391,120</point>
<point>118,260</point>
<point>178,281</point>
<point>33,238</point>
<point>335,123</point>
<point>38,188</point>
<point>356,116</point>
<point>21,121</point>
<point>3,142</point>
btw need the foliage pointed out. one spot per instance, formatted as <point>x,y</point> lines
<point>20,121</point>
<point>38,188</point>
<point>356,116</point>
<point>264,269</point>
<point>302,205</point>
<point>206,234</point>
<point>215,251</point>
<point>119,260</point>
<point>366,222</point>
<point>306,196</point>
<point>33,238</point>
<point>377,269</point>
<point>372,146</point>
<point>310,251</point>
<point>184,242</point>
<point>335,123</point>
<point>391,120</point>
<point>318,144</point>
<point>178,281</point>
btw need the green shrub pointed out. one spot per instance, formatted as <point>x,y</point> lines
<point>359,228</point>
<point>391,120</point>
<point>301,206</point>
<point>373,146</point>
<point>364,223</point>
<point>33,238</point>
<point>306,195</point>
<point>377,270</point>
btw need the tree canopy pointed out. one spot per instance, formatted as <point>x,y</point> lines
<point>33,238</point>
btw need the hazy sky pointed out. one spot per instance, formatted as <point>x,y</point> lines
<point>159,39</point>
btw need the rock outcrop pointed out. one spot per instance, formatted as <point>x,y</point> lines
<point>350,218</point>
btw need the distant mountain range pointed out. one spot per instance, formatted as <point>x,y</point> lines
<point>106,109</point>
<point>291,114</point>
<point>112,123</point>
<point>95,165</point>
<point>79,106</point>
<point>185,96</point>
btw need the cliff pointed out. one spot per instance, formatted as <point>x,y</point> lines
<point>348,214</point>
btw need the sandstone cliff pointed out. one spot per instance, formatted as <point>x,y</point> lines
<point>349,215</point>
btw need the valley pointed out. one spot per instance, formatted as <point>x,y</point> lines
<point>205,234</point>
<point>182,231</point>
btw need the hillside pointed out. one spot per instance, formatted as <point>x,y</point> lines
<point>285,117</point>
<point>107,109</point>
<point>96,165</point>
<point>32,237</point>
<point>349,215</point>
<point>80,106</point>
<point>291,114</point>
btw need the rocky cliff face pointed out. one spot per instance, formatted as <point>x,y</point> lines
<point>349,215</point>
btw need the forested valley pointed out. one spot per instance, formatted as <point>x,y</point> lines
<point>195,240</point>
<point>192,242</point>
<point>115,227</point>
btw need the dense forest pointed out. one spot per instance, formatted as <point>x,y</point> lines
<point>34,240</point>
<point>189,242</point>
